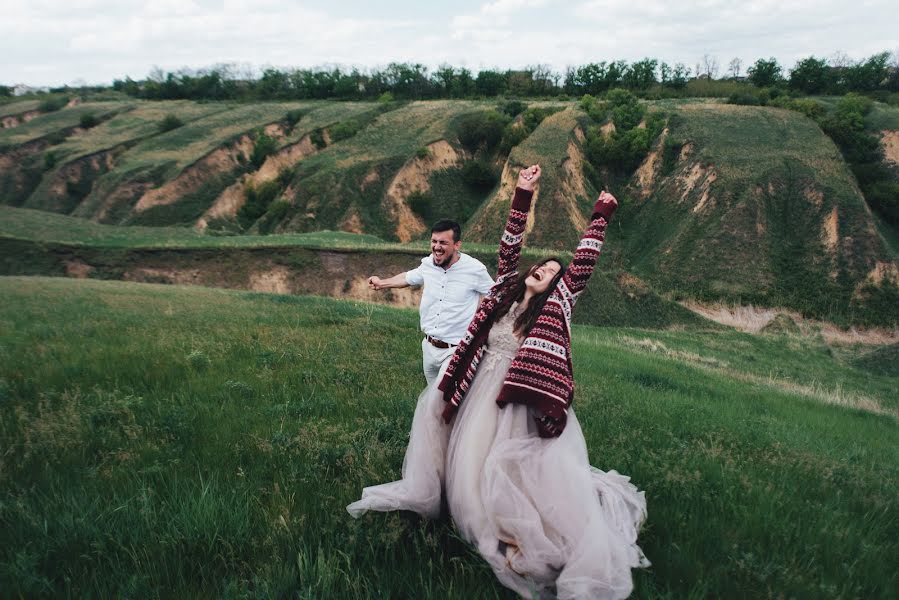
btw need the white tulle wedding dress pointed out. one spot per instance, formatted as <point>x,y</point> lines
<point>548,523</point>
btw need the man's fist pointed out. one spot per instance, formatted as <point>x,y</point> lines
<point>374,282</point>
<point>527,177</point>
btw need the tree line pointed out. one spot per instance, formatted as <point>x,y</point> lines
<point>877,74</point>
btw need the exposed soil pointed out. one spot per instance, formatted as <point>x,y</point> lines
<point>831,231</point>
<point>701,177</point>
<point>234,196</point>
<point>218,162</point>
<point>814,196</point>
<point>413,177</point>
<point>573,186</point>
<point>753,319</point>
<point>76,174</point>
<point>648,171</point>
<point>889,140</point>
<point>608,129</point>
<point>16,120</point>
<point>351,222</point>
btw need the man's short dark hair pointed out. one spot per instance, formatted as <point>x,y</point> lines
<point>446,225</point>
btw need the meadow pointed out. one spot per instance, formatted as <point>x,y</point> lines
<point>165,441</point>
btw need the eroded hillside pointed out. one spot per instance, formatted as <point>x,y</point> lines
<point>741,204</point>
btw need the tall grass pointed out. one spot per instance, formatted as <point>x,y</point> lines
<point>167,441</point>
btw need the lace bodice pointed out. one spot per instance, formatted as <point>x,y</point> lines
<point>502,339</point>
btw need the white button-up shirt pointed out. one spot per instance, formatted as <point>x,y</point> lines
<point>451,296</point>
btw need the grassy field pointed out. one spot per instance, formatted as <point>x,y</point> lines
<point>169,441</point>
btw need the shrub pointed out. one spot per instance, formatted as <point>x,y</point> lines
<point>293,116</point>
<point>421,204</point>
<point>285,174</point>
<point>620,151</point>
<point>479,174</point>
<point>513,134</point>
<point>513,107</point>
<point>385,98</point>
<point>317,137</point>
<point>671,150</point>
<point>257,202</point>
<point>264,147</point>
<point>278,210</point>
<point>50,160</point>
<point>422,153</point>
<point>53,103</point>
<point>345,129</point>
<point>627,112</point>
<point>170,122</point>
<point>746,98</point>
<point>88,120</point>
<point>481,130</point>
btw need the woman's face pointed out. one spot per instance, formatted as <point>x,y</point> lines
<point>539,278</point>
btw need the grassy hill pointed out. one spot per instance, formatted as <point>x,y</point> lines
<point>736,204</point>
<point>756,205</point>
<point>184,441</point>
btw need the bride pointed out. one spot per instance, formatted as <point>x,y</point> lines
<point>499,438</point>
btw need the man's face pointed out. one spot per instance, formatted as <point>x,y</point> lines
<point>444,248</point>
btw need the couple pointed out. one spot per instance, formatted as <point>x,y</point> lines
<point>497,436</point>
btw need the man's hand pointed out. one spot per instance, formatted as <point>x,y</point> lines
<point>606,198</point>
<point>527,177</point>
<point>375,283</point>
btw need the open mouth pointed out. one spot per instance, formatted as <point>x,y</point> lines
<point>538,275</point>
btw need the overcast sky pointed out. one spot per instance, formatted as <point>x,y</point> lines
<point>54,42</point>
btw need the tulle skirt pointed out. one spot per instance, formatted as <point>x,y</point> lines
<point>549,524</point>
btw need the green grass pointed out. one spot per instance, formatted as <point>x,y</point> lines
<point>167,441</point>
<point>50,123</point>
<point>17,107</point>
<point>881,117</point>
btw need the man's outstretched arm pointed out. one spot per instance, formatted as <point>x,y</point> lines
<point>397,281</point>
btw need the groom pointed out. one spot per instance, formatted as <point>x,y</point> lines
<point>453,285</point>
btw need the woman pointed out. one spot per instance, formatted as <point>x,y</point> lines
<point>498,435</point>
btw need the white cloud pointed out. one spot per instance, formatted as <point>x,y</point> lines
<point>51,42</point>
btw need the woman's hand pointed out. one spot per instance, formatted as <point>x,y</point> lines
<point>527,177</point>
<point>606,198</point>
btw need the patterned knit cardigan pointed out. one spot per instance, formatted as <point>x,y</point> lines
<point>540,375</point>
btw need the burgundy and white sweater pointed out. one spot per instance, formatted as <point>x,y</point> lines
<point>540,375</point>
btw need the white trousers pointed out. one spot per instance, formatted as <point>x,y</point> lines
<point>434,360</point>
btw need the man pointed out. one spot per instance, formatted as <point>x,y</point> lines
<point>453,285</point>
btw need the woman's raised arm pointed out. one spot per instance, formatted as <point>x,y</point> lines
<point>510,243</point>
<point>578,273</point>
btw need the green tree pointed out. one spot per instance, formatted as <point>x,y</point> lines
<point>765,73</point>
<point>811,75</point>
<point>490,83</point>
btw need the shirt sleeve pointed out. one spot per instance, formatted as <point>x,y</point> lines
<point>484,281</point>
<point>415,277</point>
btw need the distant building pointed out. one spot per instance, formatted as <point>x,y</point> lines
<point>20,89</point>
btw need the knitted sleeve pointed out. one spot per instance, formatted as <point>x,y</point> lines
<point>587,252</point>
<point>510,243</point>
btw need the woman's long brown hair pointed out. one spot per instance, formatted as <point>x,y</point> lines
<point>528,317</point>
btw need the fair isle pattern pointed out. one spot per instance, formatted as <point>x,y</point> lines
<point>540,375</point>
<point>545,346</point>
<point>464,363</point>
